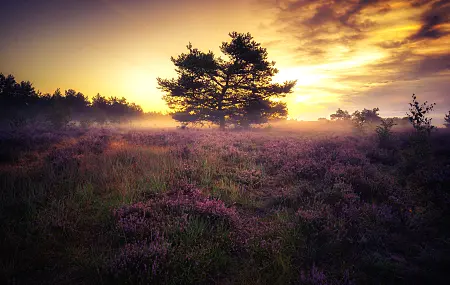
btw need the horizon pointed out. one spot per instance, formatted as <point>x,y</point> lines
<point>349,55</point>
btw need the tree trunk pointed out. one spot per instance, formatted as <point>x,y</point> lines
<point>220,105</point>
<point>222,122</point>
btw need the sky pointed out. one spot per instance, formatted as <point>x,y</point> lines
<point>351,54</point>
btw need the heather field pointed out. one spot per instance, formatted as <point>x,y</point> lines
<point>268,206</point>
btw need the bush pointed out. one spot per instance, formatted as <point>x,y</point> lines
<point>417,115</point>
<point>384,133</point>
<point>447,120</point>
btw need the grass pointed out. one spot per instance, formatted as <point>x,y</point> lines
<point>204,207</point>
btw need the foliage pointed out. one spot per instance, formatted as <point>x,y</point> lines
<point>16,100</point>
<point>447,120</point>
<point>417,115</point>
<point>237,89</point>
<point>20,105</point>
<point>206,207</point>
<point>202,207</point>
<point>365,118</point>
<point>384,132</point>
<point>340,115</point>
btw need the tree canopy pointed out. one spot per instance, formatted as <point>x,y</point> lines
<point>447,120</point>
<point>236,89</point>
<point>340,115</point>
<point>21,103</point>
<point>366,116</point>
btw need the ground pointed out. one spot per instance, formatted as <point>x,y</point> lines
<point>268,206</point>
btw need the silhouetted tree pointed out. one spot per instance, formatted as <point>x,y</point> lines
<point>257,111</point>
<point>236,89</point>
<point>19,103</point>
<point>366,116</point>
<point>77,103</point>
<point>417,115</point>
<point>100,109</point>
<point>384,132</point>
<point>59,112</point>
<point>17,100</point>
<point>447,120</point>
<point>113,109</point>
<point>340,115</point>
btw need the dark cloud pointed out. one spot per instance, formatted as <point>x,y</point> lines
<point>402,67</point>
<point>323,14</point>
<point>320,24</point>
<point>433,64</point>
<point>343,22</point>
<point>437,14</point>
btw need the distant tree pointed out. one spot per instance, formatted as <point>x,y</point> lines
<point>340,115</point>
<point>417,115</point>
<point>100,109</point>
<point>120,110</point>
<point>17,100</point>
<point>367,115</point>
<point>59,112</point>
<point>447,120</point>
<point>371,116</point>
<point>401,121</point>
<point>384,132</point>
<point>77,103</point>
<point>20,103</point>
<point>322,119</point>
<point>235,89</point>
<point>113,109</point>
<point>366,118</point>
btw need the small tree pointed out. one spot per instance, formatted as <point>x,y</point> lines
<point>384,132</point>
<point>99,109</point>
<point>358,120</point>
<point>340,115</point>
<point>447,120</point>
<point>59,114</point>
<point>417,115</point>
<point>366,116</point>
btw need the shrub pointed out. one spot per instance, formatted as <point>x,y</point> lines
<point>417,115</point>
<point>447,120</point>
<point>384,132</point>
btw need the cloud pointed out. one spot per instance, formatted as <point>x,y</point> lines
<point>370,50</point>
<point>432,20</point>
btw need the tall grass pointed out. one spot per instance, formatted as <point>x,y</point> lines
<point>205,207</point>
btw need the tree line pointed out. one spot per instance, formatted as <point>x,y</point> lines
<point>364,118</point>
<point>20,104</point>
<point>235,89</point>
<point>371,117</point>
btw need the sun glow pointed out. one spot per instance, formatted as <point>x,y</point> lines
<point>305,76</point>
<point>140,82</point>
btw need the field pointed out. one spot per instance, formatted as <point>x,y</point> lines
<point>134,206</point>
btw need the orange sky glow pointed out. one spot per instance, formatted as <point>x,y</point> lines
<point>349,54</point>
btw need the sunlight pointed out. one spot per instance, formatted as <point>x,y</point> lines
<point>304,76</point>
<point>355,61</point>
<point>139,83</point>
<point>302,98</point>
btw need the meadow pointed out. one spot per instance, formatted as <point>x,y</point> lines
<point>268,206</point>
